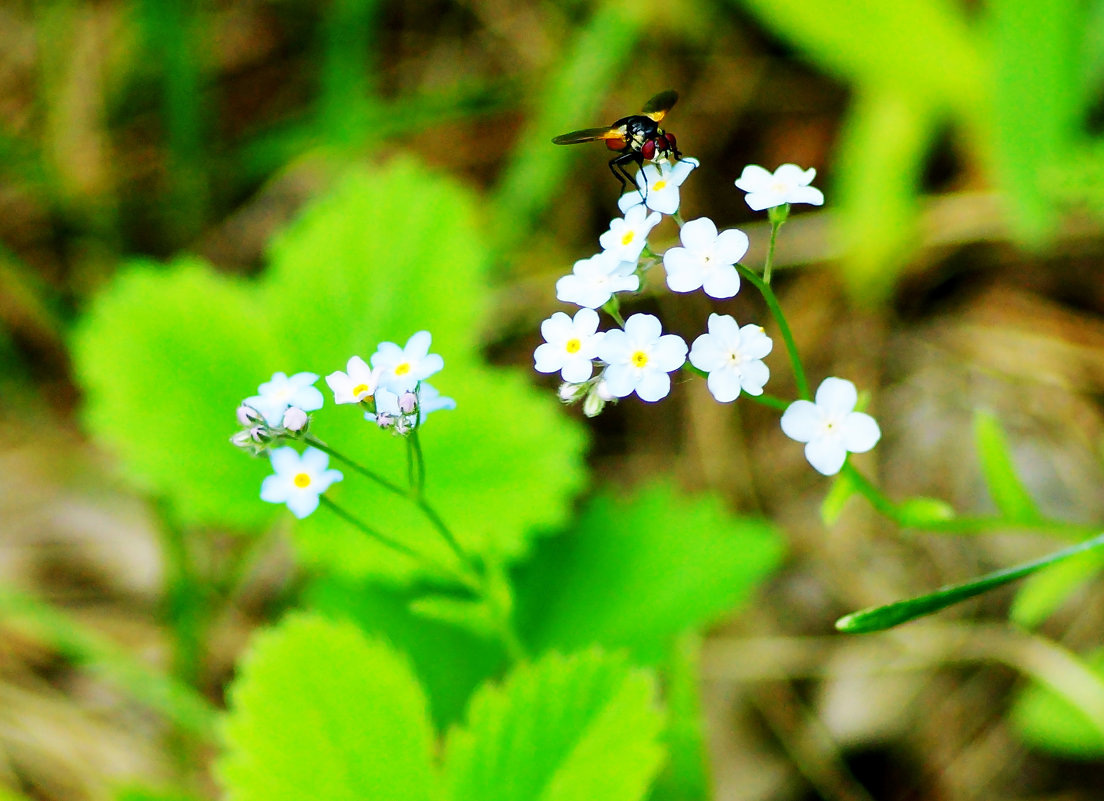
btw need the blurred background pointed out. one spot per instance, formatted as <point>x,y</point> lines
<point>956,266</point>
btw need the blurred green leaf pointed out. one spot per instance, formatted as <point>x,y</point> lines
<point>635,572</point>
<point>1043,593</point>
<point>1038,93</point>
<point>883,617</point>
<point>832,506</point>
<point>165,356</point>
<point>320,711</point>
<point>921,49</point>
<point>450,662</point>
<point>1008,492</point>
<point>921,511</point>
<point>685,776</point>
<point>573,728</point>
<point>883,145</point>
<point>1044,718</point>
<point>148,794</point>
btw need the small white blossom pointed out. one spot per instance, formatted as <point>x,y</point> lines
<point>640,358</point>
<point>295,419</point>
<point>831,428</point>
<point>733,357</point>
<point>706,259</point>
<point>402,368</point>
<point>788,184</point>
<point>570,345</point>
<point>594,281</point>
<point>658,186</point>
<point>277,394</point>
<point>298,480</point>
<point>358,383</point>
<point>628,235</point>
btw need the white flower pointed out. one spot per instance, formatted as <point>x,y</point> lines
<point>430,400</point>
<point>706,259</point>
<point>356,385</point>
<point>788,184</point>
<point>299,480</point>
<point>281,392</point>
<point>733,357</point>
<point>658,186</point>
<point>402,368</point>
<point>570,345</point>
<point>593,281</point>
<point>639,358</point>
<point>628,235</point>
<point>830,427</point>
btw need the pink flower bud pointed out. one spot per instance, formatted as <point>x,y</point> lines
<point>408,402</point>
<point>295,419</point>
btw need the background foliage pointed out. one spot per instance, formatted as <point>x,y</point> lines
<point>195,195</point>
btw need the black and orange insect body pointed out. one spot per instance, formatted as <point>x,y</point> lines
<point>636,138</point>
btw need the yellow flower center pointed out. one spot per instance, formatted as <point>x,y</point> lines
<point>301,480</point>
<point>360,389</point>
<point>628,237</point>
<point>402,369</point>
<point>639,359</point>
<point>573,346</point>
<point>659,185</point>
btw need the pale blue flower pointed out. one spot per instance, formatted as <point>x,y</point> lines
<point>298,480</point>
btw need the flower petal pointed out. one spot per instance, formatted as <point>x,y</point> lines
<point>724,385</point>
<point>802,421</point>
<point>836,396</point>
<point>860,432</point>
<point>653,386</point>
<point>723,281</point>
<point>826,456</point>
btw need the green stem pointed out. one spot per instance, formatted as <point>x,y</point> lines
<point>612,307</point>
<point>312,440</point>
<point>768,265</point>
<point>395,545</point>
<point>419,461</point>
<point>783,328</point>
<point>875,496</point>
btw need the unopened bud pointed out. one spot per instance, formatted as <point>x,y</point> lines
<point>295,419</point>
<point>593,404</point>
<point>402,426</point>
<point>569,393</point>
<point>248,416</point>
<point>384,420</point>
<point>260,434</point>
<point>408,402</point>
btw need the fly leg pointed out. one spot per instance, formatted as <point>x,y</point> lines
<point>620,171</point>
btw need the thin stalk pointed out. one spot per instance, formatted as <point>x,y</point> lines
<point>364,471</point>
<point>768,265</point>
<point>419,461</point>
<point>783,328</point>
<point>395,545</point>
<point>875,496</point>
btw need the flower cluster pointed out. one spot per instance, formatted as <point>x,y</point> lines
<point>601,366</point>
<point>391,388</point>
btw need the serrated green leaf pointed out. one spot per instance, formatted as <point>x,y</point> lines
<point>635,572</point>
<point>573,728</point>
<point>1046,719</point>
<point>320,711</point>
<point>166,354</point>
<point>1043,593</point>
<point>883,617</point>
<point>450,662</point>
<point>1004,484</point>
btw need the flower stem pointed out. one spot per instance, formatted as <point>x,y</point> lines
<point>875,496</point>
<point>613,309</point>
<point>783,328</point>
<point>400,547</point>
<point>364,471</point>
<point>776,220</point>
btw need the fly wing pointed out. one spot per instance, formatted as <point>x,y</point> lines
<point>658,106</point>
<point>588,135</point>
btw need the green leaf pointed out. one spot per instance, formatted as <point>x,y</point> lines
<point>573,728</point>
<point>921,511</point>
<point>1008,492</point>
<point>319,711</point>
<point>147,794</point>
<point>166,354</point>
<point>1038,75</point>
<point>832,506</point>
<point>1043,593</point>
<point>450,662</point>
<point>635,572</point>
<point>877,44</point>
<point>884,617</point>
<point>1047,719</point>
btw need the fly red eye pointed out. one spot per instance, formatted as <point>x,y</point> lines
<point>615,143</point>
<point>649,148</point>
<point>670,141</point>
